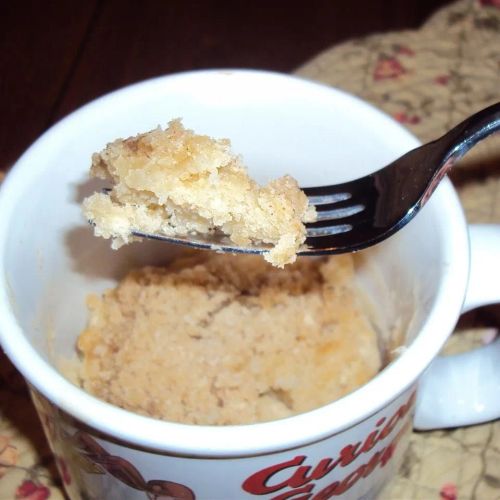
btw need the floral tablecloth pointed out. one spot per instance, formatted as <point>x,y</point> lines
<point>427,80</point>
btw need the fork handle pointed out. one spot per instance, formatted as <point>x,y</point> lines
<point>468,133</point>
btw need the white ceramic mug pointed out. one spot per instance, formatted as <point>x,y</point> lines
<point>49,262</point>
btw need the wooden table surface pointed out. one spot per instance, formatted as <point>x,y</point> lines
<point>56,55</point>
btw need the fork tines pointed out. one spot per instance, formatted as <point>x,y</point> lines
<point>333,209</point>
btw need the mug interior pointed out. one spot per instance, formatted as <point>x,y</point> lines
<point>279,124</point>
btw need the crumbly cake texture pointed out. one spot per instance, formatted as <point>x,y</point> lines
<point>175,182</point>
<point>218,339</point>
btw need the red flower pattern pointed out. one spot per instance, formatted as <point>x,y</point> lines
<point>442,79</point>
<point>405,118</point>
<point>29,490</point>
<point>448,491</point>
<point>388,68</point>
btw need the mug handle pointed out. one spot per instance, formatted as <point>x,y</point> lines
<point>464,389</point>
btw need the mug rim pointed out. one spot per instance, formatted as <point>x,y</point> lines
<point>262,437</point>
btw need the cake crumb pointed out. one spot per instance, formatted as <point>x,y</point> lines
<point>220,339</point>
<point>173,182</point>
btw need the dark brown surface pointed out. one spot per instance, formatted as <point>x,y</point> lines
<point>55,55</point>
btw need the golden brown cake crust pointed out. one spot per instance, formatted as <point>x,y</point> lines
<point>218,339</point>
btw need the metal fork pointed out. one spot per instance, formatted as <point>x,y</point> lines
<point>367,210</point>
